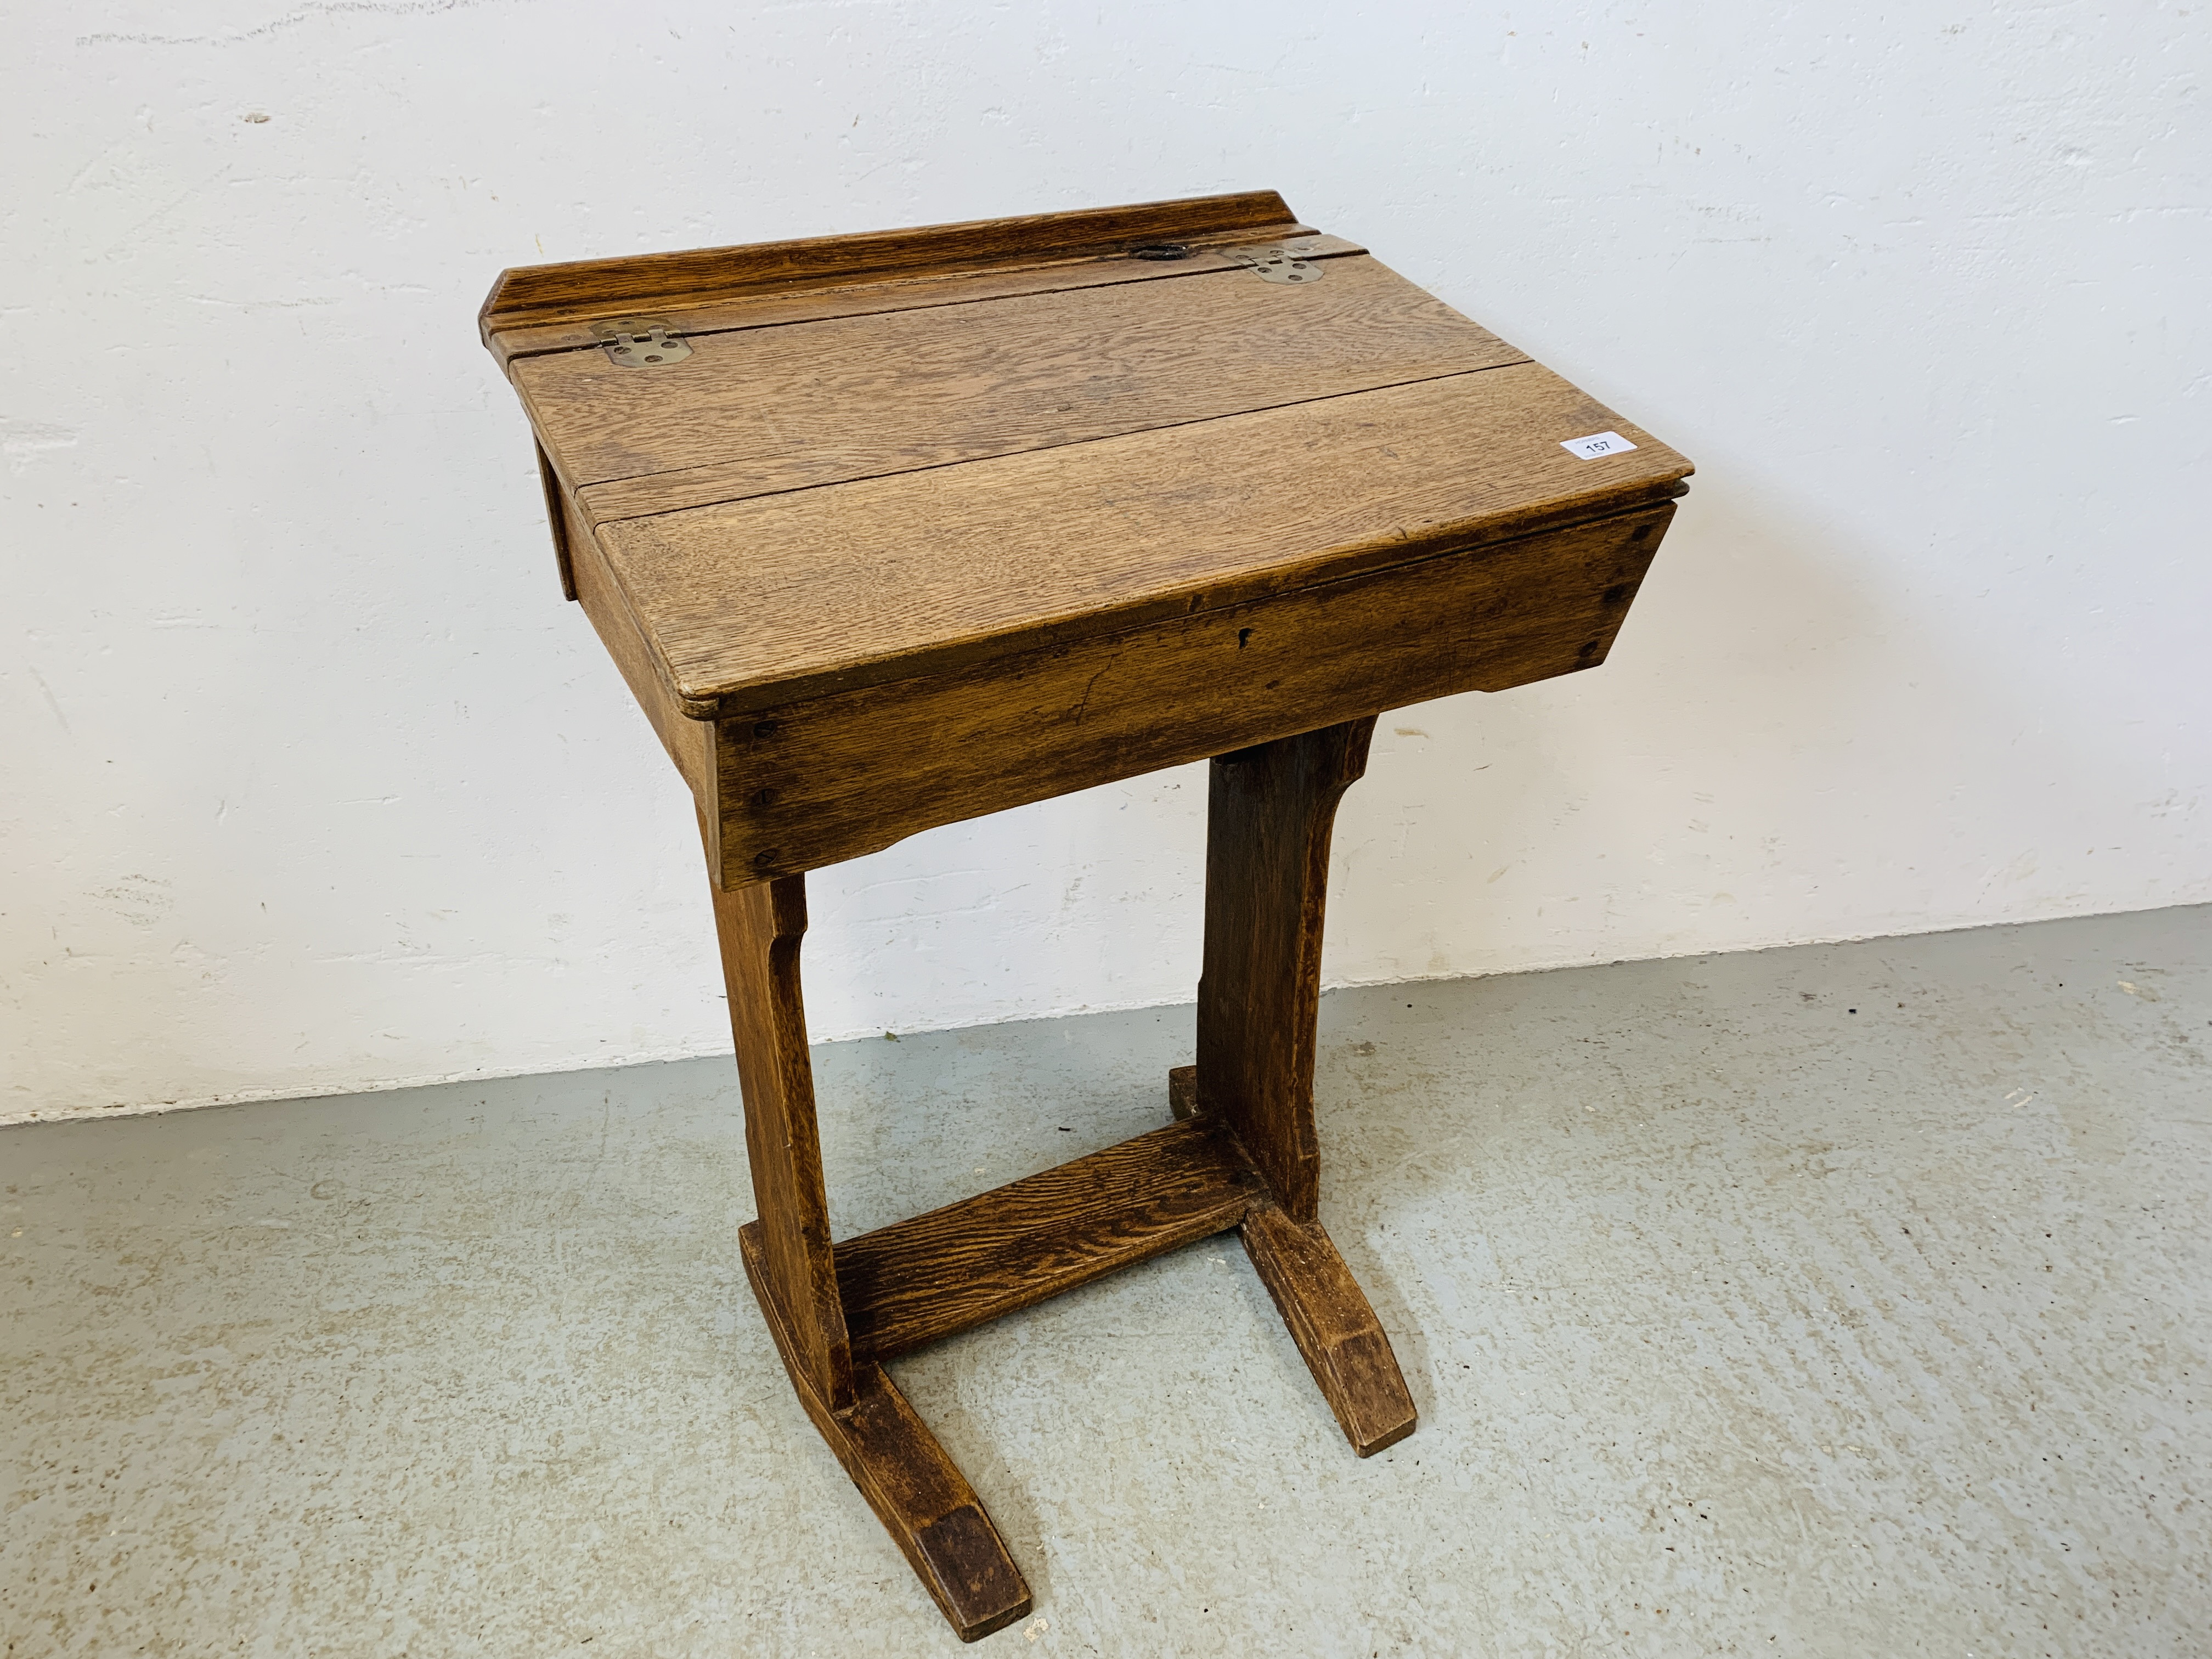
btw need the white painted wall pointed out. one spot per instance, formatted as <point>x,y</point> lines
<point>312,782</point>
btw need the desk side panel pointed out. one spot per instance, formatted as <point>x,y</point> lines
<point>689,743</point>
<point>830,778</point>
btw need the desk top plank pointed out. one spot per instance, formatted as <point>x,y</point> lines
<point>694,314</point>
<point>770,409</point>
<point>817,590</point>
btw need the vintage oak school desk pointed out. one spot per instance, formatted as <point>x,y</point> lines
<point>893,530</point>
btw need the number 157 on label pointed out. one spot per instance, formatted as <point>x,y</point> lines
<point>1597,444</point>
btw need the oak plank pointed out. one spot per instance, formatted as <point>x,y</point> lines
<point>530,292</point>
<point>970,1262</point>
<point>916,1491</point>
<point>692,315</point>
<point>818,780</point>
<point>753,602</point>
<point>756,410</point>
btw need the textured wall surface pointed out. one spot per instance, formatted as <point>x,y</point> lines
<point>312,783</point>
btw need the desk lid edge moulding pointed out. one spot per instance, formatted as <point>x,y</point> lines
<point>536,297</point>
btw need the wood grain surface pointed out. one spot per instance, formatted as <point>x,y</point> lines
<point>773,307</point>
<point>753,602</point>
<point>813,781</point>
<point>1269,809</point>
<point>969,1262</point>
<point>762,409</point>
<point>534,293</point>
<point>1330,1317</point>
<point>760,928</point>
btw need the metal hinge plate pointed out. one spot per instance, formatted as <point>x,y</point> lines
<point>1276,262</point>
<point>641,341</point>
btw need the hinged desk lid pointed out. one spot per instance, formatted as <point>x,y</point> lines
<point>973,440</point>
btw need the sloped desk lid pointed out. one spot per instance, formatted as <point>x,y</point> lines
<point>889,455</point>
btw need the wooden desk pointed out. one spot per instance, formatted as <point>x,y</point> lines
<point>889,531</point>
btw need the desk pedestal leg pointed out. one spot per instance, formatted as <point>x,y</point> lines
<point>924,1501</point>
<point>1250,1161</point>
<point>1269,811</point>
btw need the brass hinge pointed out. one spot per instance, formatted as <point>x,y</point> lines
<point>641,341</point>
<point>1276,262</point>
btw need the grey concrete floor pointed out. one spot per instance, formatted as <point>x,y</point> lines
<point>1845,1300</point>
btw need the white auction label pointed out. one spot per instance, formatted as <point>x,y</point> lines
<point>1597,444</point>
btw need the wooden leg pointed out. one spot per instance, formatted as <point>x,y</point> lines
<point>919,1493</point>
<point>922,1499</point>
<point>760,928</point>
<point>1246,1157</point>
<point>1269,812</point>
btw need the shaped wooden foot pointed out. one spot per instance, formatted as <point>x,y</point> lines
<point>1330,1317</point>
<point>1335,1327</point>
<point>922,1499</point>
<point>919,1493</point>
<point>1270,808</point>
